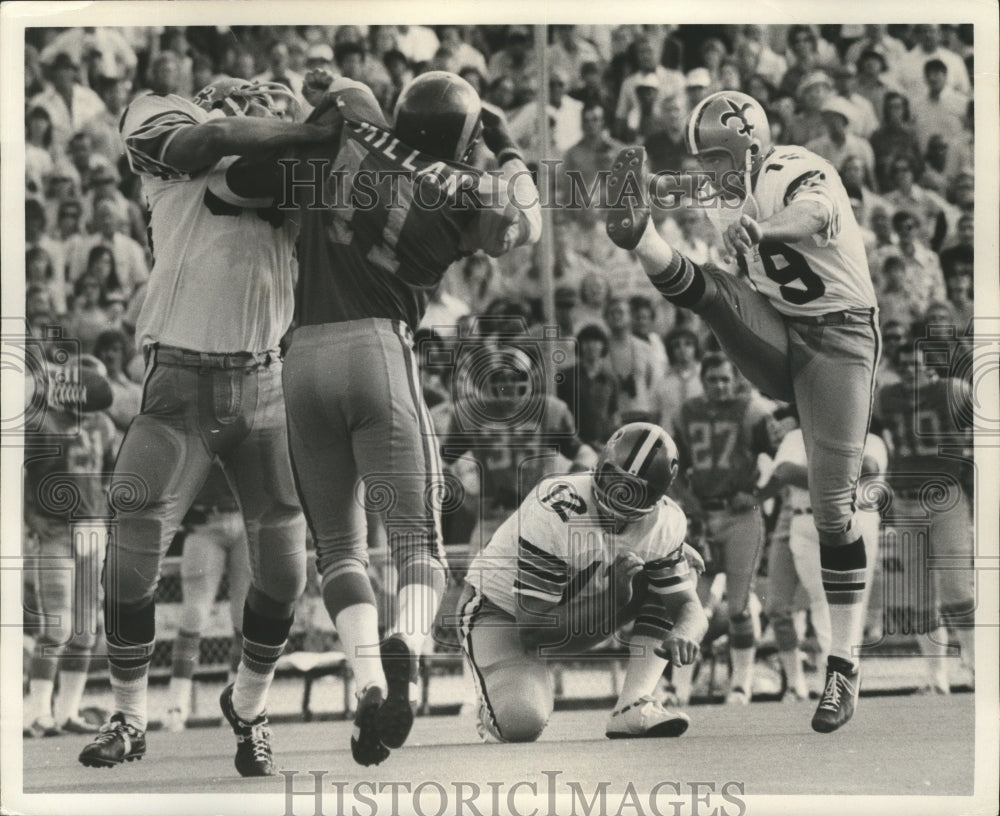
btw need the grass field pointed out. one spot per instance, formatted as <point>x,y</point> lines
<point>896,746</point>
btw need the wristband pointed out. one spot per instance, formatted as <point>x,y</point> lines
<point>508,154</point>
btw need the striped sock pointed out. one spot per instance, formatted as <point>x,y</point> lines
<point>129,669</point>
<point>681,282</point>
<point>264,640</point>
<point>843,571</point>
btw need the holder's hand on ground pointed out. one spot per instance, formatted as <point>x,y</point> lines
<point>742,236</point>
<point>678,649</point>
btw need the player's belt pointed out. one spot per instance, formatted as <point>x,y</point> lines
<point>841,318</point>
<point>172,355</point>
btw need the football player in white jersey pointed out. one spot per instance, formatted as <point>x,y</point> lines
<point>585,554</point>
<point>801,321</point>
<point>219,300</point>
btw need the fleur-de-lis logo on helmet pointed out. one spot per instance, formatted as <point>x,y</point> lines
<point>744,128</point>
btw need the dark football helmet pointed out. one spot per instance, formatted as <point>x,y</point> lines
<point>439,113</point>
<point>634,471</point>
<point>240,97</point>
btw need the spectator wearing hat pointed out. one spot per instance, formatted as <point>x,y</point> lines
<point>590,389</point>
<point>838,143</point>
<point>668,83</point>
<point>569,52</point>
<point>930,210</point>
<point>517,59</point>
<point>697,85</point>
<point>895,140</point>
<point>681,380</point>
<point>923,281</point>
<point>69,104</point>
<point>937,109</point>
<point>767,63</point>
<point>130,260</point>
<point>808,124</point>
<point>845,80</point>
<point>102,128</point>
<point>644,119</point>
<point>929,47</point>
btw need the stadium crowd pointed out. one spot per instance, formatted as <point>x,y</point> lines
<point>890,107</point>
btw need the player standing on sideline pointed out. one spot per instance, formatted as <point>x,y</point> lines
<point>928,421</point>
<point>356,413</point>
<point>585,554</point>
<point>719,435</point>
<point>806,330</point>
<point>218,301</point>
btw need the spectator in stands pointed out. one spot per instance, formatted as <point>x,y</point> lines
<point>803,57</point>
<point>697,85</point>
<point>202,71</point>
<point>930,210</point>
<point>958,282</point>
<point>353,62</point>
<point>671,83</point>
<point>912,66</point>
<point>37,150</point>
<point>501,93</point>
<point>631,362</point>
<point>864,122</point>
<point>516,60</point>
<point>964,241</point>
<point>89,314</point>
<point>897,302</point>
<point>244,66</point>
<point>666,146</point>
<point>104,181</point>
<point>766,62</point>
<point>585,162</point>
<point>594,294</point>
<point>644,120</point>
<point>937,108</point>
<point>418,42</point>
<point>105,48</point>
<point>69,227</point>
<point>400,74</point>
<point>682,379</point>
<point>113,350</point>
<point>33,81</point>
<point>873,83</point>
<point>895,140</point>
<point>39,313</point>
<point>808,124</point>
<point>876,40</point>
<point>923,281</point>
<point>566,113</point>
<point>129,258</point>
<point>465,55</point>
<point>164,74</point>
<point>643,313</point>
<point>760,88</point>
<point>938,170</point>
<point>894,334</point>
<point>103,128</point>
<point>68,103</point>
<point>590,389</point>
<point>569,52</point>
<point>858,183</point>
<point>592,90</point>
<point>64,185</point>
<point>713,54</point>
<point>37,240</point>
<point>838,144</point>
<point>39,271</point>
<point>279,70</point>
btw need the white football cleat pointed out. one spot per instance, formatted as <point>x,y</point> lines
<point>646,717</point>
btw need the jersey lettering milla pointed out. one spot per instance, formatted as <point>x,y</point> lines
<point>222,278</point>
<point>392,219</point>
<point>825,272</point>
<point>557,548</point>
<point>719,442</point>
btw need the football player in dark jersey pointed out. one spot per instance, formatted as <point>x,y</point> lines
<point>399,205</point>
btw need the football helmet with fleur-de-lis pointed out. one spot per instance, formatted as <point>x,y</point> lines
<point>730,122</point>
<point>241,97</point>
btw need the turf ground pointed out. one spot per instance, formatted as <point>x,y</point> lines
<point>902,745</point>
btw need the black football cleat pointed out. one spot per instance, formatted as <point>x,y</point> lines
<point>253,740</point>
<point>628,198</point>
<point>395,718</point>
<point>366,747</point>
<point>839,697</point>
<point>116,742</point>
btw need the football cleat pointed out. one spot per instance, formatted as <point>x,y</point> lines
<point>78,725</point>
<point>646,717</point>
<point>839,697</point>
<point>737,696</point>
<point>116,742</point>
<point>43,726</point>
<point>395,716</point>
<point>253,740</point>
<point>628,198</point>
<point>366,747</point>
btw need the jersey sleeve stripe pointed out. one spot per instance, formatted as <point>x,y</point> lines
<point>544,596</point>
<point>665,581</point>
<point>799,181</point>
<point>553,560</point>
<point>683,585</point>
<point>540,571</point>
<point>526,582</point>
